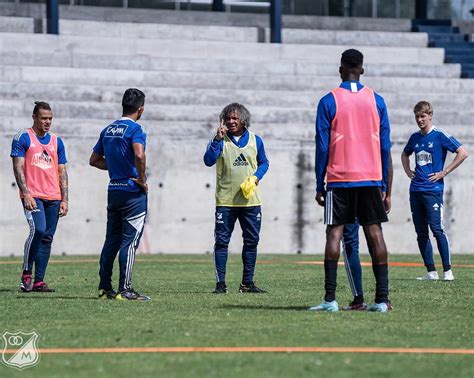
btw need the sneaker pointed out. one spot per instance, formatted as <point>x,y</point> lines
<point>448,275</point>
<point>221,288</point>
<point>131,295</point>
<point>379,307</point>
<point>250,287</point>
<point>326,306</point>
<point>353,306</point>
<point>107,294</point>
<point>42,287</point>
<point>430,276</point>
<point>26,284</point>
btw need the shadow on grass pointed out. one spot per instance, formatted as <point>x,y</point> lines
<point>49,296</point>
<point>264,307</point>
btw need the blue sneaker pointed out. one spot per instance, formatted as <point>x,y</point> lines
<point>326,306</point>
<point>378,307</point>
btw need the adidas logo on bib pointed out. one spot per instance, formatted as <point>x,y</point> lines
<point>240,161</point>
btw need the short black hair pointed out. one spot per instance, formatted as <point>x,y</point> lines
<point>243,112</point>
<point>132,99</point>
<point>40,105</point>
<point>352,58</point>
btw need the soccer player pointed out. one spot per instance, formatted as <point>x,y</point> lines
<point>430,146</point>
<point>241,163</point>
<point>350,253</point>
<point>121,151</point>
<point>353,155</point>
<point>39,165</point>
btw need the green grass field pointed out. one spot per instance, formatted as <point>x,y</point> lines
<point>184,313</point>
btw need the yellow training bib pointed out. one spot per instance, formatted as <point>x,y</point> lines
<point>233,166</point>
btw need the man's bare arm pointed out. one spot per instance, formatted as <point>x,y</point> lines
<point>98,161</point>
<point>63,182</point>
<point>63,185</point>
<point>19,171</point>
<point>140,164</point>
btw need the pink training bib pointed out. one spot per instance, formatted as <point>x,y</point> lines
<point>354,147</point>
<point>41,168</point>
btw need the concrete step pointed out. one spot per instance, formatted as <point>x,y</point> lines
<point>361,38</point>
<point>130,30</point>
<point>205,129</point>
<point>213,97</point>
<point>206,113</point>
<point>207,18</point>
<point>130,78</point>
<point>70,128</point>
<point>214,50</point>
<point>17,24</point>
<point>275,67</point>
<point>240,34</point>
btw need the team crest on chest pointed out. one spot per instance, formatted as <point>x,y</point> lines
<point>42,160</point>
<point>423,158</point>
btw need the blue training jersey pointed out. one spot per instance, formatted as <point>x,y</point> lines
<point>21,143</point>
<point>325,114</point>
<point>214,150</point>
<point>115,144</point>
<point>430,154</point>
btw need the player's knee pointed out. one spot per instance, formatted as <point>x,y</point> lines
<point>47,239</point>
<point>221,247</point>
<point>40,232</point>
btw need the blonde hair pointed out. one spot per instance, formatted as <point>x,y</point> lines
<point>423,107</point>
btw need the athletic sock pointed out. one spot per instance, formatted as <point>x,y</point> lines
<point>330,280</point>
<point>430,268</point>
<point>381,283</point>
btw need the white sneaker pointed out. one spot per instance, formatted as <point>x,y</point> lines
<point>448,275</point>
<point>430,276</point>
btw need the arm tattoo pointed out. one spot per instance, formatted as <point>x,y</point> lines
<point>63,182</point>
<point>19,171</point>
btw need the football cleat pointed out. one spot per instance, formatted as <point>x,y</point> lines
<point>448,275</point>
<point>107,294</point>
<point>221,288</point>
<point>131,295</point>
<point>26,284</point>
<point>430,276</point>
<point>326,306</point>
<point>354,306</point>
<point>378,307</point>
<point>42,287</point>
<point>249,287</point>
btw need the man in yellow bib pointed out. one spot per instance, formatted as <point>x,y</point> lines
<point>241,164</point>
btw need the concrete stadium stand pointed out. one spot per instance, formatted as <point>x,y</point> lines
<point>187,82</point>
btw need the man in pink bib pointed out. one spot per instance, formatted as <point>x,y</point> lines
<point>39,165</point>
<point>353,157</point>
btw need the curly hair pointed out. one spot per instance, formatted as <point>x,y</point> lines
<point>243,112</point>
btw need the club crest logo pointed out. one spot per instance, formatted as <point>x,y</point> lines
<point>20,349</point>
<point>42,160</point>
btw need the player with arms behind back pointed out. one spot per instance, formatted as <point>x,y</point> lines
<point>121,151</point>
